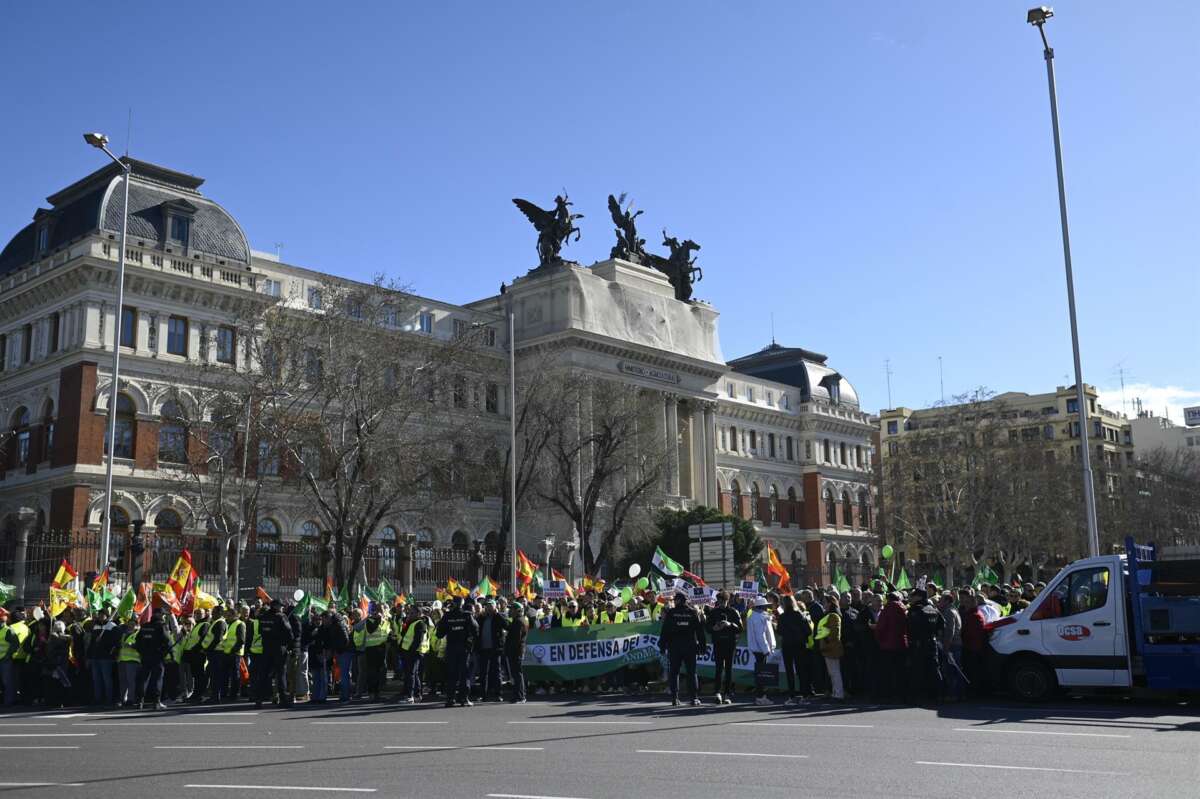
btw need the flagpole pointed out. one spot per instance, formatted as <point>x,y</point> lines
<point>512,447</point>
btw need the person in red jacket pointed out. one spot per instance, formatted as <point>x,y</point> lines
<point>974,643</point>
<point>891,633</point>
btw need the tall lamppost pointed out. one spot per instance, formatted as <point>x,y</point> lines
<point>1038,17</point>
<point>100,142</point>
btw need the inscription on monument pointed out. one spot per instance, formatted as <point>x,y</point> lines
<point>648,372</point>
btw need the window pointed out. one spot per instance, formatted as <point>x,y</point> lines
<point>314,298</point>
<point>864,509</point>
<point>808,449</point>
<point>731,389</point>
<point>1079,592</point>
<point>226,344</point>
<point>172,435</point>
<point>460,328</point>
<point>735,499</point>
<point>54,323</point>
<point>272,288</point>
<point>771,444</point>
<point>835,391</point>
<point>21,432</point>
<point>1048,432</point>
<point>827,451</point>
<point>773,504</point>
<point>749,393</point>
<point>310,529</point>
<point>119,519</point>
<point>858,457</point>
<point>830,508</point>
<point>179,229</point>
<point>128,327</point>
<point>220,442</point>
<point>27,344</point>
<point>312,365</point>
<point>43,239</point>
<point>177,335</point>
<point>126,426</point>
<point>460,392</point>
<point>733,438</point>
<point>790,453</point>
<point>847,510</point>
<point>268,460</point>
<point>753,440</point>
<point>168,521</point>
<point>425,322</point>
<point>491,402</point>
<point>48,428</point>
<point>3,353</point>
<point>268,528</point>
<point>770,399</point>
<point>354,308</point>
<point>754,513</point>
<point>842,453</point>
<point>460,540</point>
<point>1072,406</point>
<point>893,428</point>
<point>785,402</point>
<point>489,337</point>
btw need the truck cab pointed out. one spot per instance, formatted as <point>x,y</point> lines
<point>1113,621</point>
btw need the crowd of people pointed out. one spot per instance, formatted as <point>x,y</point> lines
<point>872,643</point>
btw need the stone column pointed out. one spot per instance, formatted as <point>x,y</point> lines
<point>710,456</point>
<point>25,521</point>
<point>548,550</point>
<point>405,561</point>
<point>571,546</point>
<point>671,442</point>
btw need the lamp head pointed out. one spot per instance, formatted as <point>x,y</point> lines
<point>1038,16</point>
<point>98,140</point>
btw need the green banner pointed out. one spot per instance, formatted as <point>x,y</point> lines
<point>580,653</point>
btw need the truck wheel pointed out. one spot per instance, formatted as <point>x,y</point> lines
<point>1031,680</point>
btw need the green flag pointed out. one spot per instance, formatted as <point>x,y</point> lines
<point>303,605</point>
<point>662,563</point>
<point>125,606</point>
<point>386,594</point>
<point>485,587</point>
<point>372,595</point>
<point>902,581</point>
<point>6,591</point>
<point>317,602</point>
<point>839,580</point>
<point>343,598</point>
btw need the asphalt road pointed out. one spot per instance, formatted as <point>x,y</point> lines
<point>602,748</point>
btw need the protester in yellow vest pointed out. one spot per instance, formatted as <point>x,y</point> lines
<point>128,661</point>
<point>414,645</point>
<point>12,637</point>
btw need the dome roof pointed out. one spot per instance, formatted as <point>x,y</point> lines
<point>804,369</point>
<point>94,204</point>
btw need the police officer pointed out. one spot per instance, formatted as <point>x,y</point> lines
<point>459,630</point>
<point>682,638</point>
<point>724,625</point>
<point>925,624</point>
<point>152,645</point>
<point>277,638</point>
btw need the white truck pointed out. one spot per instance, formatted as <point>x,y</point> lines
<point>1122,621</point>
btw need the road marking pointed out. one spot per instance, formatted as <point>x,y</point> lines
<point>162,724</point>
<point>39,784</point>
<point>244,746</point>
<point>526,796</point>
<point>420,748</point>
<point>7,748</point>
<point>799,724</point>
<point>497,748</point>
<point>1024,768</point>
<point>48,734</point>
<point>720,754</point>
<point>279,788</point>
<point>580,722</point>
<point>1043,732</point>
<point>381,722</point>
<point>31,724</point>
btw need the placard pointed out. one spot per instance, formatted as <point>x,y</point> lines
<point>748,589</point>
<point>638,615</point>
<point>555,589</point>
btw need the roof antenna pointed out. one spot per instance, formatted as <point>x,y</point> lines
<point>941,381</point>
<point>279,250</point>
<point>887,368</point>
<point>773,329</point>
<point>128,130</point>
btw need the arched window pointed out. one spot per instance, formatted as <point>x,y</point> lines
<point>423,555</point>
<point>847,510</point>
<point>864,509</point>
<point>491,541</point>
<point>754,500</point>
<point>172,435</point>
<point>168,521</point>
<point>126,427</point>
<point>119,519</point>
<point>773,502</point>
<point>794,511</point>
<point>830,508</point>
<point>460,540</point>
<point>388,534</point>
<point>21,436</point>
<point>424,537</point>
<point>267,528</point>
<point>735,499</point>
<point>48,431</point>
<point>310,530</point>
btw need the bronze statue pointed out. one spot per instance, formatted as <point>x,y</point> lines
<point>554,227</point>
<point>680,266</point>
<point>629,247</point>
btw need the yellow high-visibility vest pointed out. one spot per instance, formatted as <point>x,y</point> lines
<point>129,653</point>
<point>410,632</point>
<point>229,644</point>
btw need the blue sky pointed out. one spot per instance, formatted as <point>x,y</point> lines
<point>879,176</point>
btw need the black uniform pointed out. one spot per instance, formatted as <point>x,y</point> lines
<point>724,643</point>
<point>925,625</point>
<point>277,638</point>
<point>152,644</point>
<point>682,638</point>
<point>459,630</point>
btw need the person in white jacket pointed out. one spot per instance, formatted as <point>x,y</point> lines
<point>760,638</point>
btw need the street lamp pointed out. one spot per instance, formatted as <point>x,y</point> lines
<point>100,142</point>
<point>1037,17</point>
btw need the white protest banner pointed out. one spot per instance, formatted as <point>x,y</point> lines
<point>748,589</point>
<point>638,615</point>
<point>555,589</point>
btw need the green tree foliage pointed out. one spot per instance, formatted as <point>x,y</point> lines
<point>671,533</point>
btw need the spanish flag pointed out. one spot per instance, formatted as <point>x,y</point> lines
<point>555,574</point>
<point>776,569</point>
<point>101,580</point>
<point>591,583</point>
<point>65,575</point>
<point>182,581</point>
<point>526,568</point>
<point>454,588</point>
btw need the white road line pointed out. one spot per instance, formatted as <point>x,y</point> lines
<point>420,748</point>
<point>581,722</point>
<point>720,754</point>
<point>799,724</point>
<point>7,748</point>
<point>243,746</point>
<point>526,796</point>
<point>278,788</point>
<point>31,724</point>
<point>162,724</point>
<point>48,734</point>
<point>497,748</point>
<point>1024,768</point>
<point>39,784</point>
<point>381,722</point>
<point>1043,732</point>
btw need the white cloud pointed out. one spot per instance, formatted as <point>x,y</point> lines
<point>1157,399</point>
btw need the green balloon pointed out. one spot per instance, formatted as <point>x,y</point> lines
<point>626,594</point>
<point>642,584</point>
<point>887,551</point>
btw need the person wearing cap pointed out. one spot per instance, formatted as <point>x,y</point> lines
<point>514,650</point>
<point>925,625</point>
<point>681,637</point>
<point>460,631</point>
<point>760,639</point>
